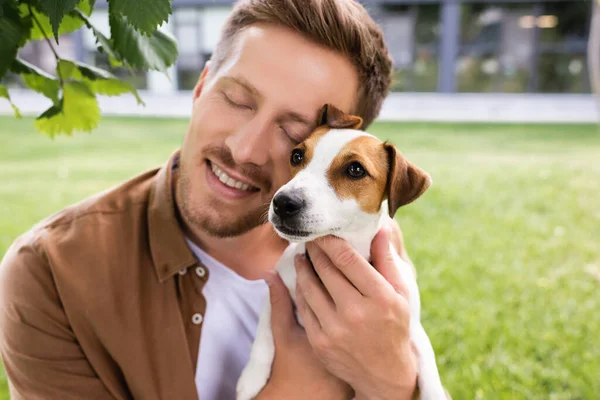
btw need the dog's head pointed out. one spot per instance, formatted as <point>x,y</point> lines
<point>342,179</point>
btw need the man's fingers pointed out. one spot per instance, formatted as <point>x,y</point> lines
<point>354,267</point>
<point>313,291</point>
<point>383,260</point>
<point>309,319</point>
<point>282,310</point>
<point>397,240</point>
<point>336,283</point>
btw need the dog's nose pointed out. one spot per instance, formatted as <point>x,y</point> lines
<point>287,205</point>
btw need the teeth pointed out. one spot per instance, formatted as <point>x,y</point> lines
<point>227,180</point>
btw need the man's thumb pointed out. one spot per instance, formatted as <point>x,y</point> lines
<point>282,313</point>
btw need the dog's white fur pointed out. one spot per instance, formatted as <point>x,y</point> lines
<point>327,214</point>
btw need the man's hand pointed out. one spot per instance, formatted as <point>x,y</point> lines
<point>297,373</point>
<point>356,316</point>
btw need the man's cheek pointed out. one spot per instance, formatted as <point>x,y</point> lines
<point>280,178</point>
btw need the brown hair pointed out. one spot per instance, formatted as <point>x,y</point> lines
<point>340,25</point>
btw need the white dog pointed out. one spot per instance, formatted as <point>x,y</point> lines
<point>345,182</point>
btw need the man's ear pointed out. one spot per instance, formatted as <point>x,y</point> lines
<point>337,119</point>
<point>201,80</point>
<point>405,181</point>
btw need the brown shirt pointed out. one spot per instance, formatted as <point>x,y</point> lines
<point>95,304</point>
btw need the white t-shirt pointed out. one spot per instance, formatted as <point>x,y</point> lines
<point>233,306</point>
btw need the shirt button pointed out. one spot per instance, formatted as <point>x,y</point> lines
<point>182,271</point>
<point>197,319</point>
<point>200,271</point>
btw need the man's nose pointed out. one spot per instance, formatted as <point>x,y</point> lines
<point>287,205</point>
<point>251,143</point>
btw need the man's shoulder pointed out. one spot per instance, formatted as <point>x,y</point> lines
<point>116,202</point>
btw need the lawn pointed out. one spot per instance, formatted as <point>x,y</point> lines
<point>506,241</point>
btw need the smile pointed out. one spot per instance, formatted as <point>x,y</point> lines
<point>229,181</point>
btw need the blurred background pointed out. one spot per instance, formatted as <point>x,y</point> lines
<point>492,98</point>
<point>479,50</point>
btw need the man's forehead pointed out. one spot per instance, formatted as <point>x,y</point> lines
<point>292,68</point>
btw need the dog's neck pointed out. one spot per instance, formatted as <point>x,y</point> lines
<point>361,240</point>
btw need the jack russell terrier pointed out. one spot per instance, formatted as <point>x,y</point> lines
<point>345,182</point>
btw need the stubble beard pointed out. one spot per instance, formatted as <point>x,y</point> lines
<point>207,219</point>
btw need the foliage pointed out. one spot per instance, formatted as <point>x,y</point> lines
<point>135,42</point>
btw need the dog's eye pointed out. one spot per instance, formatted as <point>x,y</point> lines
<point>356,170</point>
<point>297,157</point>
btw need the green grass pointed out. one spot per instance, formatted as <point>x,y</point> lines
<point>505,242</point>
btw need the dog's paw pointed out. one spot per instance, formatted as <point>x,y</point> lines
<point>252,381</point>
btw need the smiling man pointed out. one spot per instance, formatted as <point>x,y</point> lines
<point>152,290</point>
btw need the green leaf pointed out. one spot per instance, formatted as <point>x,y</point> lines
<point>14,32</point>
<point>98,80</point>
<point>56,10</point>
<point>4,93</point>
<point>37,79</point>
<point>70,23</point>
<point>145,15</point>
<point>157,51</point>
<point>76,111</point>
<point>104,44</point>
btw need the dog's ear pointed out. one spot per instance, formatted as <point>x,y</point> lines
<point>406,182</point>
<point>337,119</point>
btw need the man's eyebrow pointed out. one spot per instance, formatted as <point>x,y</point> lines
<point>242,82</point>
<point>294,116</point>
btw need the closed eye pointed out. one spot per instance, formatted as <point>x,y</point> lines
<point>290,136</point>
<point>234,104</point>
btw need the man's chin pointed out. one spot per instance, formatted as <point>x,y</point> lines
<point>222,222</point>
<point>224,229</point>
<point>207,213</point>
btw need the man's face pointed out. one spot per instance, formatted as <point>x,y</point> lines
<point>246,119</point>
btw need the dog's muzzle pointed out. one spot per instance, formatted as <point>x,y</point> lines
<point>287,205</point>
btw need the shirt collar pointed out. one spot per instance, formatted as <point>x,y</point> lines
<point>169,249</point>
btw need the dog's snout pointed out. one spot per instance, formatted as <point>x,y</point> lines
<point>287,205</point>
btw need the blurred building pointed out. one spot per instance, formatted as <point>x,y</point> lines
<point>464,46</point>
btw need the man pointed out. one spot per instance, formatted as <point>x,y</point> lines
<point>152,290</point>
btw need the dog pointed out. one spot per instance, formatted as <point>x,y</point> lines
<point>345,182</point>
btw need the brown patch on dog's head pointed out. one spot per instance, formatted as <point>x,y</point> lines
<point>386,174</point>
<point>406,182</point>
<point>337,119</point>
<point>369,188</point>
<point>306,148</point>
<point>330,118</point>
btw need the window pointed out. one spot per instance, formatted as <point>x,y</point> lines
<point>562,63</point>
<point>188,31</point>
<point>524,47</point>
<point>412,35</point>
<point>496,51</point>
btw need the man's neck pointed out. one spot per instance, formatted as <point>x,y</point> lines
<point>249,255</point>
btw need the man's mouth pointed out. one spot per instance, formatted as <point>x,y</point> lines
<point>229,181</point>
